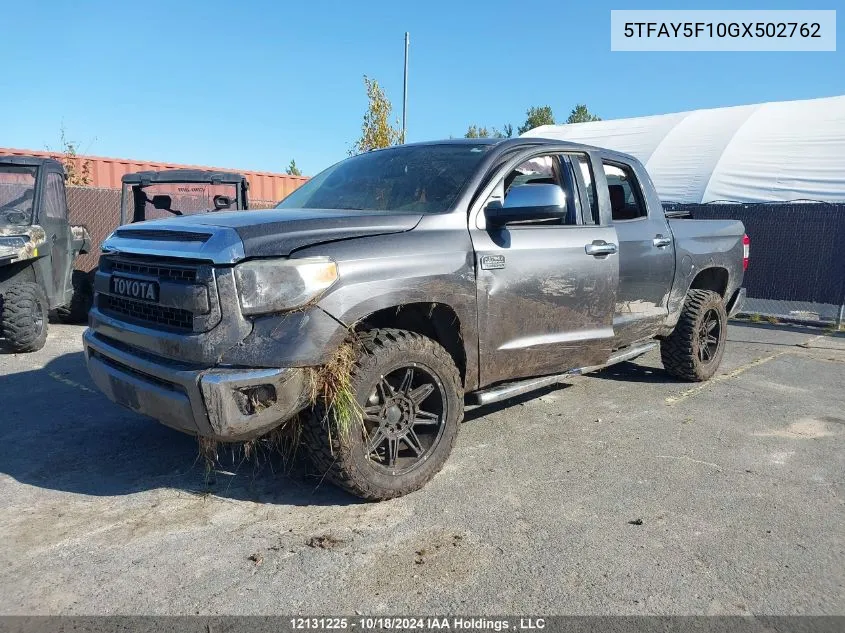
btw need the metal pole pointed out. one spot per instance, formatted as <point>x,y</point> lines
<point>840,322</point>
<point>405,91</point>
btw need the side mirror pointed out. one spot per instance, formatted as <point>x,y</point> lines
<point>526,203</point>
<point>162,202</point>
<point>222,202</point>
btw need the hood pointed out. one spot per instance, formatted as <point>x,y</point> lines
<point>279,232</point>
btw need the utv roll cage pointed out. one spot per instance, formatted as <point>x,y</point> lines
<point>42,166</point>
<point>134,199</point>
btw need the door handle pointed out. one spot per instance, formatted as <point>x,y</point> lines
<point>659,241</point>
<point>55,238</point>
<point>599,248</point>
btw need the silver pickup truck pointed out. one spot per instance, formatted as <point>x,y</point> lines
<point>445,273</point>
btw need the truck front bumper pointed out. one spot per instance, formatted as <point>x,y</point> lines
<point>224,404</point>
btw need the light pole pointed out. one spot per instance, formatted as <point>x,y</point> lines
<point>405,90</point>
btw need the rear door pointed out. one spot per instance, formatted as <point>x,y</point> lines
<point>52,216</point>
<point>545,304</point>
<point>646,256</point>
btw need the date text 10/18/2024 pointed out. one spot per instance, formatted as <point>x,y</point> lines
<point>463,624</point>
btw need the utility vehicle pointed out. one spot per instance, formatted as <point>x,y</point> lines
<point>37,250</point>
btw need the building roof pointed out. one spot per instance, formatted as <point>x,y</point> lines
<point>768,152</point>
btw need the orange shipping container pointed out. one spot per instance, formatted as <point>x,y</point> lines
<point>107,172</point>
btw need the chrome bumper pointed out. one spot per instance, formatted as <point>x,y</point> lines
<point>224,404</point>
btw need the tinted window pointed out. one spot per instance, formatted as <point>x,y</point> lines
<point>625,198</point>
<point>17,192</point>
<point>422,178</point>
<point>167,199</point>
<point>54,198</point>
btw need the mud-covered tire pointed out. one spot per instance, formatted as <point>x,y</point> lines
<point>80,303</point>
<point>380,354</point>
<point>686,353</point>
<point>23,316</point>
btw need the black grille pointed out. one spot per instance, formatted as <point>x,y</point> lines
<point>150,313</point>
<point>131,370</point>
<point>163,272</point>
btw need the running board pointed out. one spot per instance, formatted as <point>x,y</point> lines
<point>513,389</point>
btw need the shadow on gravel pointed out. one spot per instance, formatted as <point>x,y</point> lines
<point>58,432</point>
<point>488,409</point>
<point>632,372</point>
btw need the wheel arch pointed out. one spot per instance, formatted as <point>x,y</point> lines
<point>715,278</point>
<point>437,321</point>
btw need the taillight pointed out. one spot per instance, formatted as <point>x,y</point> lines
<point>746,250</point>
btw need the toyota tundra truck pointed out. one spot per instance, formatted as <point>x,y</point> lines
<point>457,272</point>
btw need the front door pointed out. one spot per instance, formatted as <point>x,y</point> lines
<point>545,304</point>
<point>52,216</point>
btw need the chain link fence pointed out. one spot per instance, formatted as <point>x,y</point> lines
<point>796,270</point>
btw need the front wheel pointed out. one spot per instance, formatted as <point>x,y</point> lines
<point>694,349</point>
<point>410,405</point>
<point>23,316</point>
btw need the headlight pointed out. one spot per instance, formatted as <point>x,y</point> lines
<point>276,285</point>
<point>14,241</point>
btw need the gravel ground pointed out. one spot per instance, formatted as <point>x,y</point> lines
<point>624,492</point>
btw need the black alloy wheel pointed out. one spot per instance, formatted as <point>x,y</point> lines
<point>404,418</point>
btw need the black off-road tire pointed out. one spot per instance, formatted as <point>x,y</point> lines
<point>80,303</point>
<point>344,463</point>
<point>23,316</point>
<point>681,352</point>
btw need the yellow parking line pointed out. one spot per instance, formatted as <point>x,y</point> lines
<point>736,372</point>
<point>733,374</point>
<point>69,382</point>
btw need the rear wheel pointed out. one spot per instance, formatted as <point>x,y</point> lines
<point>694,349</point>
<point>23,316</point>
<point>80,303</point>
<point>410,399</point>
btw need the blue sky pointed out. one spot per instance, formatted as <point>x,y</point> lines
<point>252,84</point>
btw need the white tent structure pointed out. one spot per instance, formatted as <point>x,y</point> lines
<point>768,152</point>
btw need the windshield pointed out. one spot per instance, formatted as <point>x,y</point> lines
<point>17,193</point>
<point>421,178</point>
<point>168,199</point>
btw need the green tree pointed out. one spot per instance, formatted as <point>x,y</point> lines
<point>292,169</point>
<point>580,114</point>
<point>376,130</point>
<point>78,171</point>
<point>480,131</point>
<point>537,116</point>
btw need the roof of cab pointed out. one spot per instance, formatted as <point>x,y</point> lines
<point>51,164</point>
<point>183,175</point>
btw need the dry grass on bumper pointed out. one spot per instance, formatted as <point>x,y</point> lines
<point>329,394</point>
